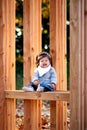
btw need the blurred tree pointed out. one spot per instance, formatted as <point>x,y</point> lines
<point>19,28</point>
<point>45,25</point>
<point>68,43</point>
<point>19,44</point>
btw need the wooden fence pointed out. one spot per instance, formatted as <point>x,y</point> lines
<point>32,45</point>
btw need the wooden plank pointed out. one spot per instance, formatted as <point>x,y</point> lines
<point>7,36</point>
<point>32,36</point>
<point>85,40</point>
<point>75,60</point>
<point>78,57</point>
<point>32,45</point>
<point>2,78</point>
<point>58,51</point>
<point>53,114</point>
<point>5,49</point>
<point>57,95</point>
<point>9,49</point>
<point>53,39</point>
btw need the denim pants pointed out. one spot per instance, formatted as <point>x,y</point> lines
<point>47,87</point>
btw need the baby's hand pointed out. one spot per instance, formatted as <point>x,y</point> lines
<point>53,86</point>
<point>36,82</point>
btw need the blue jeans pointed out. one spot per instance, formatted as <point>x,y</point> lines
<point>47,87</point>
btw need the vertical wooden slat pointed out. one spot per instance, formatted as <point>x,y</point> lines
<point>58,51</point>
<point>9,49</point>
<point>53,115</point>
<point>82,61</point>
<point>2,78</point>
<point>85,39</point>
<point>78,63</point>
<point>32,45</point>
<point>7,53</point>
<point>75,59</point>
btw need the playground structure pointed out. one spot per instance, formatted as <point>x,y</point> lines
<point>32,45</point>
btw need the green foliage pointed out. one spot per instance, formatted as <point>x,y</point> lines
<point>19,44</point>
<point>68,44</point>
<point>19,74</point>
<point>68,10</point>
<point>45,25</point>
<point>19,12</point>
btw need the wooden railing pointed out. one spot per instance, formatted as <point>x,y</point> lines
<point>55,96</point>
<point>34,107</point>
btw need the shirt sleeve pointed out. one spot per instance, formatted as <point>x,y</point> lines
<point>35,75</point>
<point>53,76</point>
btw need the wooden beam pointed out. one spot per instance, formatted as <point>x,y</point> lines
<point>85,70</point>
<point>58,52</point>
<point>32,46</point>
<point>78,64</point>
<point>7,38</point>
<point>57,95</point>
<point>2,64</point>
<point>9,42</point>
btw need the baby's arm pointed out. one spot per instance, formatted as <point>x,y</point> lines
<point>53,78</point>
<point>35,79</point>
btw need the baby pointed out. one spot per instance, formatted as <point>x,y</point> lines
<point>44,77</point>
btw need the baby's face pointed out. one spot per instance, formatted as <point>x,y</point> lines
<point>44,62</point>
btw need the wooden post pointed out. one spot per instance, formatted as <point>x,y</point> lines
<point>32,45</point>
<point>9,49</point>
<point>84,124</point>
<point>78,64</point>
<point>58,52</point>
<point>2,77</point>
<point>7,64</point>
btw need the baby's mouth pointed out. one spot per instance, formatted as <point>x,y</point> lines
<point>44,65</point>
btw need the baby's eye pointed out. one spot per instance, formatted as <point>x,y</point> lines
<point>41,60</point>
